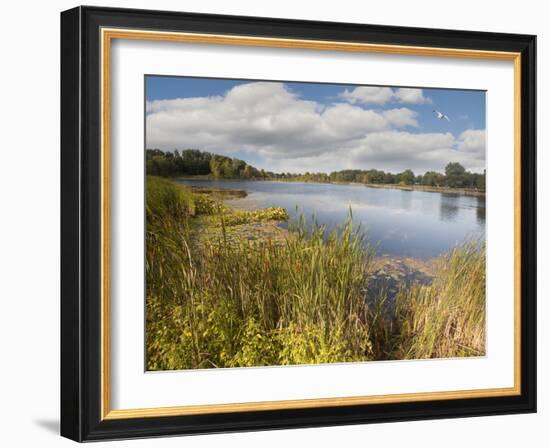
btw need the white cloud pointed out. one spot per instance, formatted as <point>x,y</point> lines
<point>288,133</point>
<point>411,96</point>
<point>348,121</point>
<point>471,145</point>
<point>368,95</point>
<point>263,117</point>
<point>398,150</point>
<point>383,95</point>
<point>401,117</point>
<point>472,141</point>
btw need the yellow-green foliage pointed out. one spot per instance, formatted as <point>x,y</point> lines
<point>264,214</point>
<point>205,205</point>
<point>178,202</point>
<point>164,199</point>
<point>256,303</point>
<point>446,319</point>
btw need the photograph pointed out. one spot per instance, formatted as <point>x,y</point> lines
<point>274,222</point>
<point>291,223</point>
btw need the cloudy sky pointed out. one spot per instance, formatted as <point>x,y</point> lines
<point>297,127</point>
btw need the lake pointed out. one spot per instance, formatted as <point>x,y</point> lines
<point>403,223</point>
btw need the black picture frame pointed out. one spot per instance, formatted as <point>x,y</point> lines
<point>81,224</point>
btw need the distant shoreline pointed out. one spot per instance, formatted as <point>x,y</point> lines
<point>424,188</point>
<point>429,189</point>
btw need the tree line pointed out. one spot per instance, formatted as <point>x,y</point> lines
<point>455,176</point>
<point>192,162</point>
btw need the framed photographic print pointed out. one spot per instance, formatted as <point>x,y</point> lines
<point>273,223</point>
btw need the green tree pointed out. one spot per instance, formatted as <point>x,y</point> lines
<point>247,172</point>
<point>227,168</point>
<point>455,175</point>
<point>389,178</point>
<point>433,179</point>
<point>479,181</point>
<point>406,177</point>
<point>216,167</point>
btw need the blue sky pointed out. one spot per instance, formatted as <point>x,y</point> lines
<point>291,126</point>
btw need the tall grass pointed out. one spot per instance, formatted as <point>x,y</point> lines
<point>446,319</point>
<point>256,303</point>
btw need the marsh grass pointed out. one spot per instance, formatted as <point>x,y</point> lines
<point>256,303</point>
<point>446,319</point>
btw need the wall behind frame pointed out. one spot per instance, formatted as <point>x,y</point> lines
<point>29,228</point>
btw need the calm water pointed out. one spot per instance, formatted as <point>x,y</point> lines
<point>404,223</point>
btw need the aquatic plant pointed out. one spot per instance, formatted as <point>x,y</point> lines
<point>306,300</point>
<point>246,216</point>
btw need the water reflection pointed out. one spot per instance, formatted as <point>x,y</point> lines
<point>480,211</point>
<point>448,206</point>
<point>406,223</point>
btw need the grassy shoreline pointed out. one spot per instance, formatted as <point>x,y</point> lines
<point>308,297</point>
<point>428,189</point>
<point>424,188</point>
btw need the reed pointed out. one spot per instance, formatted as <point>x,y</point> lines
<point>447,318</point>
<point>257,303</point>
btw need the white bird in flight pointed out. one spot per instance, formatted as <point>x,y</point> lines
<point>441,115</point>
